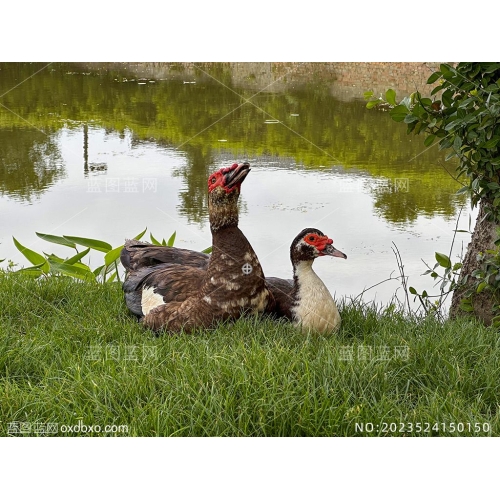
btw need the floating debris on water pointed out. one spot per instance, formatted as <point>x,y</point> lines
<point>221,140</point>
<point>272,121</point>
<point>188,82</point>
<point>294,114</point>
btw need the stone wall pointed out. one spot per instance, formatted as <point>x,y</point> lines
<point>405,78</point>
<point>347,80</point>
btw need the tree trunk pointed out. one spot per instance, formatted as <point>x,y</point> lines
<point>483,239</point>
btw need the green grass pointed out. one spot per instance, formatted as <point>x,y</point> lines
<point>64,359</point>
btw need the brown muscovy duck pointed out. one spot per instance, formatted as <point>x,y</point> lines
<point>305,300</point>
<point>178,289</point>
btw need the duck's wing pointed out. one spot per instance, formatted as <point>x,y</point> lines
<point>149,287</point>
<point>137,254</point>
<point>282,291</point>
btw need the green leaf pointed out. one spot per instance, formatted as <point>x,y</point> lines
<point>72,270</point>
<point>457,143</point>
<point>34,271</point>
<point>372,104</point>
<point>408,101</point>
<point>412,291</point>
<point>77,257</point>
<point>481,286</point>
<point>398,113</point>
<point>111,278</point>
<point>207,250</point>
<point>446,70</point>
<point>390,97</point>
<point>411,127</point>
<point>170,242</point>
<point>35,258</point>
<point>447,97</point>
<point>491,143</point>
<point>140,235</point>
<point>53,257</point>
<point>465,306</point>
<point>429,140</point>
<point>81,266</point>
<point>368,94</point>
<point>410,119</point>
<point>59,240</point>
<point>112,255</point>
<point>98,270</point>
<point>491,88</point>
<point>154,241</point>
<point>443,260</point>
<point>435,76</point>
<point>99,245</point>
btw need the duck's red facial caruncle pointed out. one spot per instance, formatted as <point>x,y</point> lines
<point>324,245</point>
<point>229,178</point>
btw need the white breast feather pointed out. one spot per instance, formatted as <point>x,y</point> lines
<point>317,309</point>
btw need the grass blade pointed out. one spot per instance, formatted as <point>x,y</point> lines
<point>170,242</point>
<point>140,235</point>
<point>154,240</point>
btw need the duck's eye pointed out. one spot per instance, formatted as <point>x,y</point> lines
<point>311,238</point>
<point>213,180</point>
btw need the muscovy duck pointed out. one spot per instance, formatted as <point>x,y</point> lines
<point>305,300</point>
<point>180,289</point>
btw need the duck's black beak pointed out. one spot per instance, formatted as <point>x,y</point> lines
<point>237,175</point>
<point>333,252</point>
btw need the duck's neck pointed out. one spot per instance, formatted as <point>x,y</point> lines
<point>314,305</point>
<point>304,276</point>
<point>228,239</point>
<point>223,210</point>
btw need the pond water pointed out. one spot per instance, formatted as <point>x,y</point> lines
<point>102,153</point>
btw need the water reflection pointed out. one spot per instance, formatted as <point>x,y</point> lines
<point>93,167</point>
<point>208,121</point>
<point>30,162</point>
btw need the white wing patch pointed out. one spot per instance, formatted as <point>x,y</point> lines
<point>150,300</point>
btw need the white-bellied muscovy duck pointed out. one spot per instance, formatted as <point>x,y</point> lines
<point>305,300</point>
<point>178,289</point>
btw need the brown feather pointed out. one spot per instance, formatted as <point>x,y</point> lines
<point>198,290</point>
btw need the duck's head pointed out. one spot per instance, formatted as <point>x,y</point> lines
<point>223,192</point>
<point>311,243</point>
